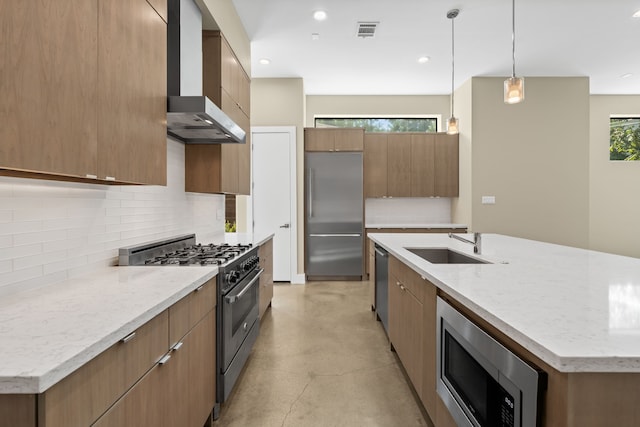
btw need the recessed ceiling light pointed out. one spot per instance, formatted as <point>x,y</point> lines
<point>319,15</point>
<point>637,14</point>
<point>626,76</point>
<point>315,36</point>
<point>423,59</point>
<point>264,61</point>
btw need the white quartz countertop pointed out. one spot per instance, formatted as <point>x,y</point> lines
<point>412,225</point>
<point>49,332</point>
<point>244,238</point>
<point>577,310</point>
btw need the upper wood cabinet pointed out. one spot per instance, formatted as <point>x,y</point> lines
<point>222,168</point>
<point>333,139</point>
<point>84,92</point>
<point>375,164</point>
<point>447,165</point>
<point>423,165</point>
<point>399,165</point>
<point>410,165</point>
<point>131,131</point>
<point>160,7</point>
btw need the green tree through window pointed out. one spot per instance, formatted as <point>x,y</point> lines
<point>391,124</point>
<point>624,138</point>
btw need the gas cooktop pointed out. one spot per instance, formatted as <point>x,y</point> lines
<point>182,250</point>
<point>200,255</point>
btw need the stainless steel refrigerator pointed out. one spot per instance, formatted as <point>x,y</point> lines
<point>334,215</point>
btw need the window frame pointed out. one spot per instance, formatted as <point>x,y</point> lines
<point>437,117</point>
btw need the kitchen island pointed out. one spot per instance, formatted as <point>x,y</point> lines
<point>572,312</point>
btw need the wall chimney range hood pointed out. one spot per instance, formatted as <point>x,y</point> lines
<point>191,117</point>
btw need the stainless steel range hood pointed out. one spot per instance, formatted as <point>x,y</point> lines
<point>191,117</point>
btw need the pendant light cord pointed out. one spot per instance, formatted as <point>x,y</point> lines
<point>452,62</point>
<point>452,14</point>
<point>513,36</point>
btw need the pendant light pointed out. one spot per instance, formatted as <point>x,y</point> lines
<point>513,86</point>
<point>452,123</point>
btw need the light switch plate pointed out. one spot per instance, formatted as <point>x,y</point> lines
<point>488,200</point>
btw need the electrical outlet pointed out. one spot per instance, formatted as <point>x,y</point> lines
<point>488,200</point>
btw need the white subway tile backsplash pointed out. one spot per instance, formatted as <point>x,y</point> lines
<point>50,230</point>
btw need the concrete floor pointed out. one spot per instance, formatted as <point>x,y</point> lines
<point>321,360</point>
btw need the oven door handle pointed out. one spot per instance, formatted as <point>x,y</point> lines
<point>233,298</point>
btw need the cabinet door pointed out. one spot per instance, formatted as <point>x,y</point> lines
<point>244,156</point>
<point>422,165</point>
<point>394,309</point>
<point>229,172</point>
<point>399,165</point>
<point>375,165</point>
<point>230,70</point>
<point>319,139</point>
<point>447,165</point>
<point>265,252</point>
<point>429,351</point>
<point>48,83</point>
<point>132,91</point>
<point>349,139</point>
<point>412,337</point>
<point>245,92</point>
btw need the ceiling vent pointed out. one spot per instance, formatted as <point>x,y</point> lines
<point>367,29</point>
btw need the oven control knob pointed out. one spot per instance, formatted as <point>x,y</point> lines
<point>232,277</point>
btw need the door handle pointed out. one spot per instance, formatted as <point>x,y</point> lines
<point>287,225</point>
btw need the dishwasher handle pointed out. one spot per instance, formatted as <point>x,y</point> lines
<point>382,253</point>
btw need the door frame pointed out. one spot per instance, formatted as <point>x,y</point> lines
<point>293,211</point>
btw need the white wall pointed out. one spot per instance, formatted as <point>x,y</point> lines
<point>50,230</point>
<point>407,210</point>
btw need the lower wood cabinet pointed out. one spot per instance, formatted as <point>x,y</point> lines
<point>406,326</point>
<point>178,391</point>
<point>265,252</point>
<point>162,374</point>
<point>412,329</point>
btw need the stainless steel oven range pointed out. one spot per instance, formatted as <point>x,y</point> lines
<point>237,295</point>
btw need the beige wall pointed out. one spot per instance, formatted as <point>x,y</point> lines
<point>614,201</point>
<point>534,158</point>
<point>281,102</point>
<point>376,105</point>
<point>223,12</point>
<point>461,212</point>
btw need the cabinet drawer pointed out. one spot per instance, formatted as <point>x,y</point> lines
<point>80,398</point>
<point>407,277</point>
<point>187,312</point>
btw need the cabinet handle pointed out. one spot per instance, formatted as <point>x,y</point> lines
<point>178,346</point>
<point>402,287</point>
<point>164,359</point>
<point>199,288</point>
<point>91,176</point>
<point>397,283</point>
<point>110,178</point>
<point>128,338</point>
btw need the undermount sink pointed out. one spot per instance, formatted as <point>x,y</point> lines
<point>445,256</point>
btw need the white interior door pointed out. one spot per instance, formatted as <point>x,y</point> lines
<point>272,195</point>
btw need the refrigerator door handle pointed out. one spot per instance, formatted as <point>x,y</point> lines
<point>310,193</point>
<point>335,235</point>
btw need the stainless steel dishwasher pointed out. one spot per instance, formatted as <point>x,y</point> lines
<point>382,289</point>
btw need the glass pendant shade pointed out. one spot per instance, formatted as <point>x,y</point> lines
<point>513,90</point>
<point>452,126</point>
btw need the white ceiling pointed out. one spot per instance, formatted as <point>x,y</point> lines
<point>595,38</point>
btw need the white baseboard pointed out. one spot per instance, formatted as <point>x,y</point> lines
<point>298,279</point>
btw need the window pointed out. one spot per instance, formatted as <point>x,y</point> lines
<point>381,124</point>
<point>624,138</point>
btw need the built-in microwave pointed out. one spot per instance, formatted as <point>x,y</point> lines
<point>480,381</point>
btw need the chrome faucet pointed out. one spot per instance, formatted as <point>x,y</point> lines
<point>476,242</point>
